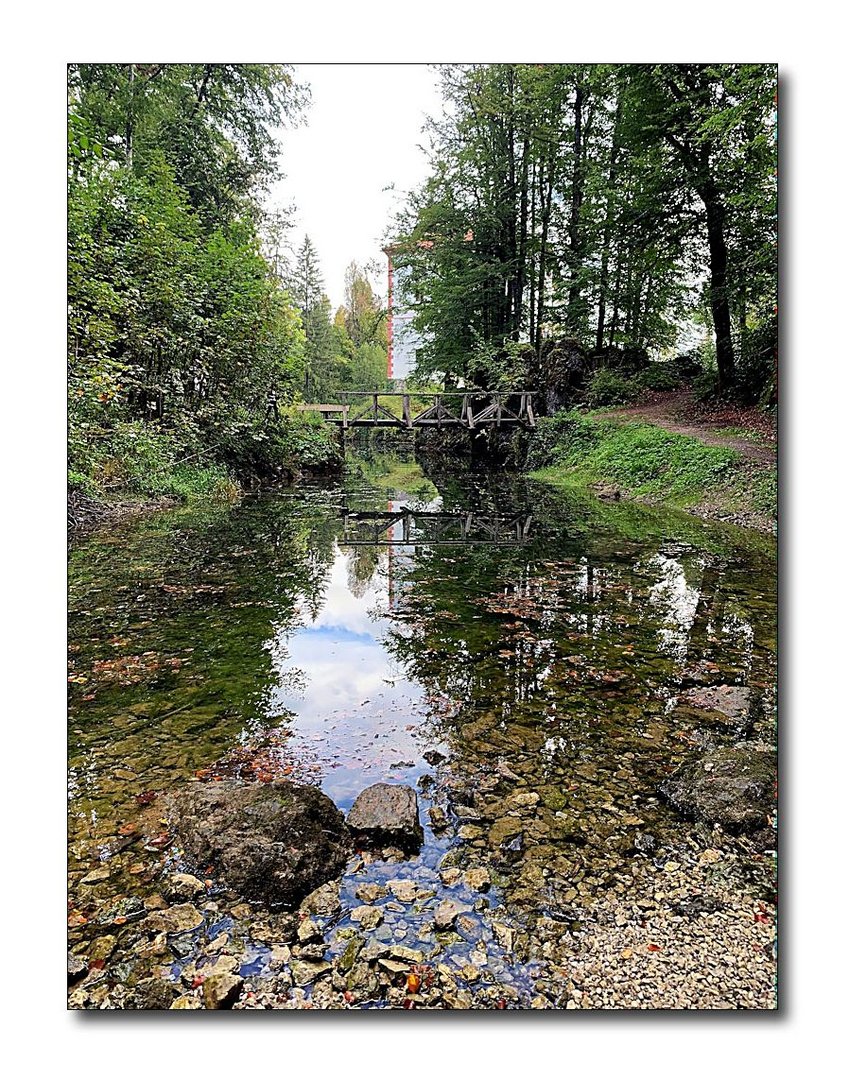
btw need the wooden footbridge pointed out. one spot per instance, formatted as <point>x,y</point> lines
<point>458,409</point>
<point>408,526</point>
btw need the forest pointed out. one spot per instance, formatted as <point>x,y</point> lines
<point>623,208</point>
<point>590,231</point>
<point>191,323</point>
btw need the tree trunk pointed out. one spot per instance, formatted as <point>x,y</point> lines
<point>719,305</point>
<point>575,214</point>
<point>608,227</point>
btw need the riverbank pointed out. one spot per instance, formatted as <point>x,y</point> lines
<point>644,453</point>
<point>137,468</point>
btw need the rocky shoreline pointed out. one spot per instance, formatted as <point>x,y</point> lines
<point>679,925</point>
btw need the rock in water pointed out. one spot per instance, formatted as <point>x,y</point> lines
<point>733,787</point>
<point>183,887</point>
<point>730,709</point>
<point>446,913</point>
<point>386,815</point>
<point>222,991</point>
<point>77,969</point>
<point>269,842</point>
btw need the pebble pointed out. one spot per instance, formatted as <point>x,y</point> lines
<point>446,914</point>
<point>367,916</point>
<point>477,879</point>
<point>222,991</point>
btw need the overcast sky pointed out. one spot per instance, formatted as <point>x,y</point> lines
<point>362,134</point>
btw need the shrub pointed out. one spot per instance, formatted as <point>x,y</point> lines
<point>258,448</point>
<point>705,386</point>
<point>607,388</point>
<point>555,436</point>
<point>757,365</point>
<point>687,364</point>
<point>657,377</point>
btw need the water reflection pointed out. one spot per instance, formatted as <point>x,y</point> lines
<point>271,640</point>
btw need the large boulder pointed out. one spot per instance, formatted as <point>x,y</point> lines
<point>733,787</point>
<point>728,709</point>
<point>386,815</point>
<point>269,842</point>
<point>564,368</point>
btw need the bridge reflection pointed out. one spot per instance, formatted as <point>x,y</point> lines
<point>406,526</point>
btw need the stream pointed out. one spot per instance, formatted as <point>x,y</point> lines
<point>514,653</point>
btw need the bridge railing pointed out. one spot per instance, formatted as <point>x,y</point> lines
<point>450,408</point>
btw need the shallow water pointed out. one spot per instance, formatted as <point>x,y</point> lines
<point>533,638</point>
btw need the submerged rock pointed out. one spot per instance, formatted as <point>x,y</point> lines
<point>324,900</point>
<point>367,916</point>
<point>77,968</point>
<point>477,879</point>
<point>154,994</point>
<point>446,913</point>
<point>270,842</point>
<point>733,787</point>
<point>183,887</point>
<point>370,891</point>
<point>727,708</point>
<point>387,814</point>
<point>175,920</point>
<point>222,991</point>
<point>404,889</point>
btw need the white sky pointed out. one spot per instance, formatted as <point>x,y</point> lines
<point>362,133</point>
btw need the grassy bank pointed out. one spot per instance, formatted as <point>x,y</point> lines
<point>134,464</point>
<point>648,463</point>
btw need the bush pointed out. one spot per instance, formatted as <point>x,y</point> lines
<point>657,377</point>
<point>142,458</point>
<point>757,365</point>
<point>257,449</point>
<point>607,388</point>
<point>555,436</point>
<point>705,386</point>
<point>687,364</point>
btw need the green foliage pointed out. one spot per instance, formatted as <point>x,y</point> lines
<point>657,377</point>
<point>605,387</point>
<point>349,352</point>
<point>505,367</point>
<point>183,343</point>
<point>296,440</point>
<point>214,124</point>
<point>643,459</point>
<point>766,492</point>
<point>757,371</point>
<point>584,200</point>
<point>143,458</point>
<point>556,435</point>
<point>705,385</point>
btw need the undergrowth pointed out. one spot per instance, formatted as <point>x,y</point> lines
<point>644,460</point>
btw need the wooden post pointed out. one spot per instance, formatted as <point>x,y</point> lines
<point>405,406</point>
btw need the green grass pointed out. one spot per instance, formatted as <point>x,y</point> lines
<point>643,460</point>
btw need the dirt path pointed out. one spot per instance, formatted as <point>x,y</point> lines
<point>749,431</point>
